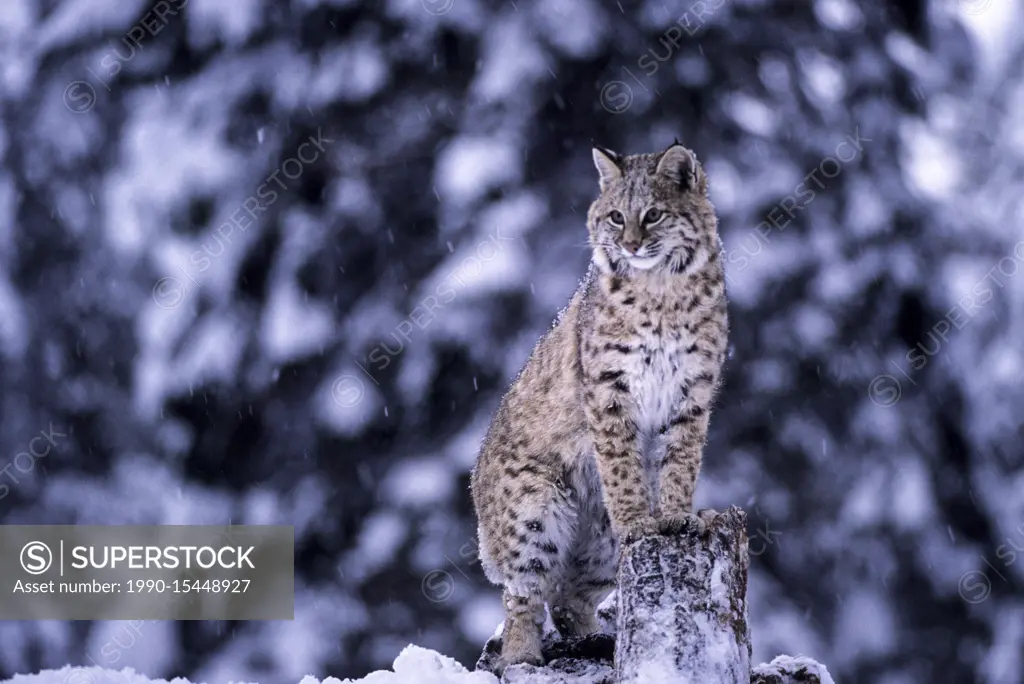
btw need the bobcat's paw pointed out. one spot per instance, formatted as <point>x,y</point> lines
<point>707,514</point>
<point>520,658</point>
<point>678,524</point>
<point>575,621</point>
<point>643,527</point>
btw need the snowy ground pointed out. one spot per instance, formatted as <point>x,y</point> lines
<point>414,664</point>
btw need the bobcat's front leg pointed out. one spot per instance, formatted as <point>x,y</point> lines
<point>686,435</point>
<point>681,466</point>
<point>609,408</point>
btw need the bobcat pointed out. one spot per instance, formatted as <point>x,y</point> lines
<point>599,439</point>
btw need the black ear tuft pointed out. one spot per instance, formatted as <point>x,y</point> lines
<point>614,156</point>
<point>607,163</point>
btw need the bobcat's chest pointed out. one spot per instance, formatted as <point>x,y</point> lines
<point>657,373</point>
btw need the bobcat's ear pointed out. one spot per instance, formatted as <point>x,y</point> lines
<point>679,166</point>
<point>607,163</point>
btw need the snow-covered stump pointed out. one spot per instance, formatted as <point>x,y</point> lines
<point>682,613</point>
<point>787,670</point>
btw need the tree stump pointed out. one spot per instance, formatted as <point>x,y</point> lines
<point>682,613</point>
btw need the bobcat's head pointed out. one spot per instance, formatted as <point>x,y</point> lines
<point>653,212</point>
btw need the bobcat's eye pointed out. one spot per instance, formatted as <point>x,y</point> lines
<point>653,216</point>
<point>616,218</point>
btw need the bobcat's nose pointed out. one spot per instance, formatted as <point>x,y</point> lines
<point>631,245</point>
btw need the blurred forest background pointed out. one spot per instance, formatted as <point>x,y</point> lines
<point>276,262</point>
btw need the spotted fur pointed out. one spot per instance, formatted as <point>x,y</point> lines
<point>600,437</point>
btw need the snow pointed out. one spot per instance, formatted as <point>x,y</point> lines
<point>418,482</point>
<point>471,165</point>
<point>1004,660</point>
<point>752,114</point>
<point>511,58</point>
<point>480,615</point>
<point>69,21</point>
<point>784,665</point>
<point>358,72</point>
<point>862,608</point>
<point>213,21</point>
<point>825,80</point>
<point>839,15</point>
<point>348,401</point>
<point>293,326</point>
<point>71,674</point>
<point>576,27</point>
<point>933,167</point>
<point>12,322</point>
<point>413,665</point>
<point>381,535</point>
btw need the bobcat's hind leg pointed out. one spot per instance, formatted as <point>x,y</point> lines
<point>527,543</point>
<point>521,638</point>
<point>574,613</point>
<point>589,578</point>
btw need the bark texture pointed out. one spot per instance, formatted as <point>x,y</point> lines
<point>682,605</point>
